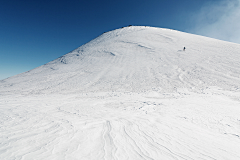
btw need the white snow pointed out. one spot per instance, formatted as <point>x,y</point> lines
<point>131,93</point>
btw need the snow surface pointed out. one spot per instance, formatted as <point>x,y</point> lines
<point>131,93</point>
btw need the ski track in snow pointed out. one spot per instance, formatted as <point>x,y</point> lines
<point>130,94</point>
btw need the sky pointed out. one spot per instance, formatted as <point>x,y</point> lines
<point>33,33</point>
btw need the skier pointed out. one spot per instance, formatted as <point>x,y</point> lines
<point>184,48</point>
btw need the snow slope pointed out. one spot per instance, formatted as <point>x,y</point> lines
<point>131,93</point>
<point>136,59</point>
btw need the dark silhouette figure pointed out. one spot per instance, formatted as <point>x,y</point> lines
<point>184,48</point>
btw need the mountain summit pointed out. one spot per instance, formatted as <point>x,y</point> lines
<point>137,59</point>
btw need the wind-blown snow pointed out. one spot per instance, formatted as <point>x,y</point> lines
<point>131,93</point>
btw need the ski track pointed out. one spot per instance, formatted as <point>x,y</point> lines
<point>130,94</point>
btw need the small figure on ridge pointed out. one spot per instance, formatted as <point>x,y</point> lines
<point>184,48</point>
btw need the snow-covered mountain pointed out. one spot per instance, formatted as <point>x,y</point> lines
<point>136,59</point>
<point>131,93</point>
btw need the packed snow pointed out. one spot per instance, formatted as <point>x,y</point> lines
<point>132,93</point>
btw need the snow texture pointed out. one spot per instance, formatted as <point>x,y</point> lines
<point>131,93</point>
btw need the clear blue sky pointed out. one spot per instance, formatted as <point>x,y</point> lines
<point>34,32</point>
